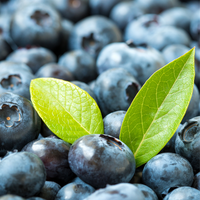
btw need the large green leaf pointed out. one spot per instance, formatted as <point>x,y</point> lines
<point>158,108</point>
<point>67,110</point>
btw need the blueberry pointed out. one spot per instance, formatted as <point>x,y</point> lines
<point>34,57</point>
<point>183,193</point>
<point>147,192</point>
<point>102,7</point>
<point>11,197</point>
<point>125,191</point>
<point>80,64</point>
<point>195,25</point>
<point>85,87</point>
<point>54,70</point>
<point>192,110</point>
<point>54,154</point>
<point>19,122</point>
<point>100,32</point>
<point>140,61</point>
<point>173,51</point>
<point>144,25</point>
<point>91,84</point>
<point>8,6</point>
<point>167,171</point>
<point>73,10</point>
<point>156,6</point>
<point>196,183</point>
<point>166,35</point>
<point>49,190</point>
<point>17,82</point>
<point>10,67</point>
<point>36,24</point>
<point>187,142</point>
<point>22,174</point>
<point>76,190</point>
<point>115,89</point>
<point>124,12</point>
<point>178,16</point>
<point>101,159</point>
<point>113,122</point>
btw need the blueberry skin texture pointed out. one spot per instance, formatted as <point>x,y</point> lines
<point>192,110</point>
<point>34,57</point>
<point>54,70</point>
<point>72,10</point>
<point>179,17</point>
<point>80,63</point>
<point>102,7</point>
<point>194,26</point>
<point>113,122</point>
<point>140,61</point>
<point>49,190</point>
<point>147,192</point>
<point>196,183</point>
<point>165,171</point>
<point>125,191</point>
<point>85,87</point>
<point>124,12</point>
<point>10,67</point>
<point>54,154</point>
<point>19,122</point>
<point>172,52</point>
<point>36,24</point>
<point>156,6</point>
<point>99,160</point>
<point>144,25</point>
<point>166,35</point>
<point>22,174</point>
<point>151,31</point>
<point>187,142</point>
<point>100,32</point>
<point>11,197</point>
<point>17,82</point>
<point>76,190</point>
<point>115,89</point>
<point>183,193</point>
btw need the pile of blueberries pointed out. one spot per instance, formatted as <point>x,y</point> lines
<point>109,48</point>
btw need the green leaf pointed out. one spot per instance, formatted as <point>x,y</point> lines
<point>158,108</point>
<point>67,110</point>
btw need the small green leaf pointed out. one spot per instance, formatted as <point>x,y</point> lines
<point>158,108</point>
<point>67,110</point>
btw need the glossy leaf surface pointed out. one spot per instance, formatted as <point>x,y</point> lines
<point>67,110</point>
<point>158,108</point>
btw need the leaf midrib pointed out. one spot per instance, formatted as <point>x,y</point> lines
<point>68,112</point>
<point>144,135</point>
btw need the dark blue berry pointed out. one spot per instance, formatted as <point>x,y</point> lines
<point>167,171</point>
<point>22,174</point>
<point>188,142</point>
<point>122,191</point>
<point>101,159</point>
<point>19,122</point>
